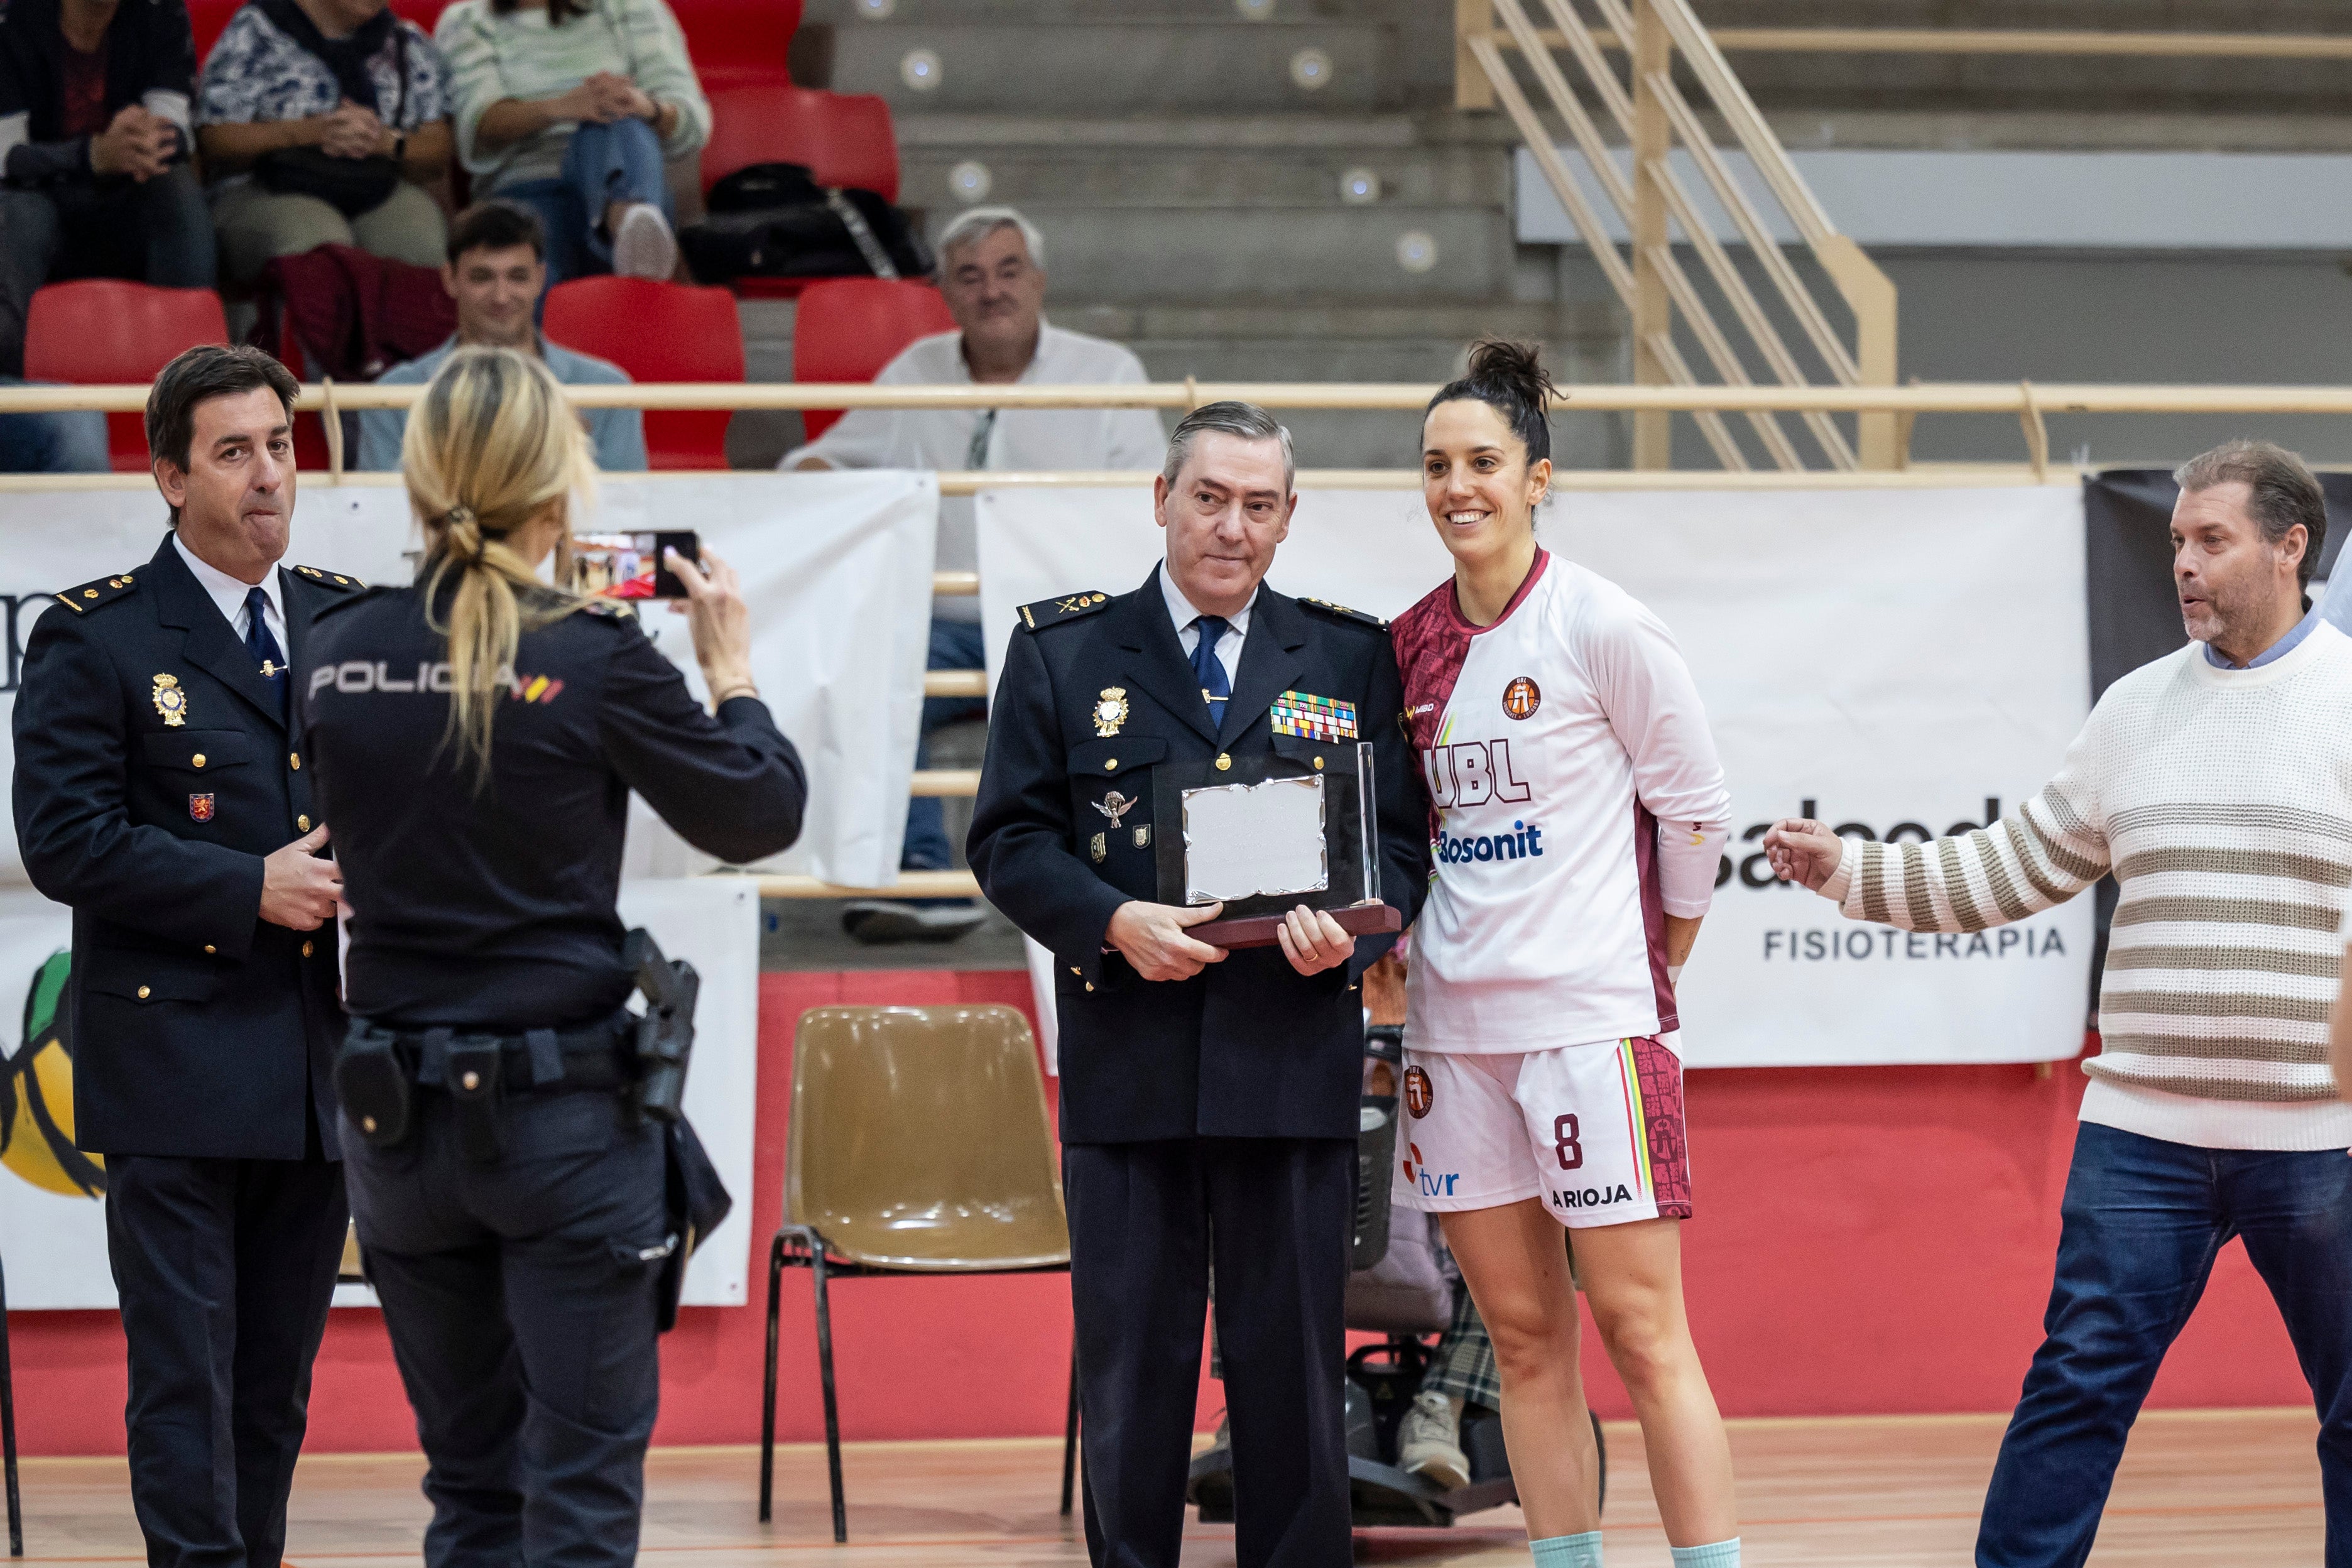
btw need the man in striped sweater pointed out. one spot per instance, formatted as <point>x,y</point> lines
<point>2216,784</point>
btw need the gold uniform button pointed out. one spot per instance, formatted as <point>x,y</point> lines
<point>471,1081</point>
<point>1223,762</point>
<point>1111,765</point>
<point>306,949</point>
<point>210,948</point>
<point>303,823</point>
<point>367,1123</point>
<point>1318,764</point>
<point>1090,984</point>
<point>89,593</point>
<point>198,759</point>
<point>142,993</point>
<point>294,761</point>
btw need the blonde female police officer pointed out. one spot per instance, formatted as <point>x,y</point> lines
<point>477,736</point>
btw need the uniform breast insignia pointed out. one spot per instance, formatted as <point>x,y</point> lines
<point>1110,711</point>
<point>200,807</point>
<point>1045,612</point>
<point>171,701</point>
<point>1361,617</point>
<point>1314,717</point>
<point>1115,805</point>
<point>1098,847</point>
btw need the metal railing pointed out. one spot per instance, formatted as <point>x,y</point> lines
<point>1649,115</point>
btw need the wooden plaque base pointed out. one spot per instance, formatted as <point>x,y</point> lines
<point>1360,919</point>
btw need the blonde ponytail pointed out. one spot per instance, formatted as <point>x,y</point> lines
<point>490,446</point>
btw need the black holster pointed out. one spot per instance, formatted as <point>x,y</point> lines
<point>696,1202</point>
<point>475,1093</point>
<point>374,1085</point>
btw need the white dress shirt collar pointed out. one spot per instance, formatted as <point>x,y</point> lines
<point>1181,610</point>
<point>228,594</point>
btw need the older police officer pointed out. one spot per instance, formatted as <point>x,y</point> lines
<point>160,792</point>
<point>1209,1098</point>
<point>477,735</point>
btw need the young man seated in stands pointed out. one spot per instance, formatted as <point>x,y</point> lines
<point>324,122</point>
<point>496,269</point>
<point>992,274</point>
<point>94,144</point>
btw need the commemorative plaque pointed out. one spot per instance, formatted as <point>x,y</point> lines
<point>1263,835</point>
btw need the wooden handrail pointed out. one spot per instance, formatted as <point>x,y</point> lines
<point>1920,397</point>
<point>1999,41</point>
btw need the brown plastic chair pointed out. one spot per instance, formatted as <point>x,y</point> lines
<point>870,1084</point>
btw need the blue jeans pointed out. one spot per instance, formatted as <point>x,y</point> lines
<point>51,443</point>
<point>2144,1221</point>
<point>160,233</point>
<point>602,164</point>
<point>955,644</point>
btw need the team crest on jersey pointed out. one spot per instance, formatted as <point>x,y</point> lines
<point>1521,698</point>
<point>1419,1093</point>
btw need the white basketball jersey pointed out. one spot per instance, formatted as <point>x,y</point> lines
<point>1561,745</point>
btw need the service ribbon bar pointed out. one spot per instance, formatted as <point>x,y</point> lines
<point>1315,718</point>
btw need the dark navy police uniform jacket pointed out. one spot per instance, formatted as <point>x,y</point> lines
<point>1249,1047</point>
<point>491,907</point>
<point>200,1030</point>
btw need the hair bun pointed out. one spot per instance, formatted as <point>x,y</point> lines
<point>1516,365</point>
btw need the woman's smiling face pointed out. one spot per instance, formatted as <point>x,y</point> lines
<point>1475,477</point>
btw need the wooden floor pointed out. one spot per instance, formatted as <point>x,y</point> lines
<point>2240,1487</point>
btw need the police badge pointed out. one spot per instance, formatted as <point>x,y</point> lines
<point>1110,712</point>
<point>171,701</point>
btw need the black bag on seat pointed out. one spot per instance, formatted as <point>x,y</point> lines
<point>773,220</point>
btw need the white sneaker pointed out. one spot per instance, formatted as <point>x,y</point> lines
<point>643,244</point>
<point>1429,1442</point>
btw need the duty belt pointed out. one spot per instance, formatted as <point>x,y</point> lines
<point>379,1069</point>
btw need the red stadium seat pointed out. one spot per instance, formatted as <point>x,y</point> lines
<point>102,332</point>
<point>209,18</point>
<point>737,43</point>
<point>658,331</point>
<point>843,139</point>
<point>849,328</point>
<point>426,14</point>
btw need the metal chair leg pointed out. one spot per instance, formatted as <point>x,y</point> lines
<point>768,1402</point>
<point>1070,1435</point>
<point>832,1410</point>
<point>8,1430</point>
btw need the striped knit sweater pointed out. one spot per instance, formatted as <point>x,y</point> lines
<point>2222,800</point>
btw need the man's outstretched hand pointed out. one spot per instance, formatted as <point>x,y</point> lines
<point>1153,938</point>
<point>1803,851</point>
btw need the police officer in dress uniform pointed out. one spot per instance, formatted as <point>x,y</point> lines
<point>1209,1098</point>
<point>161,790</point>
<point>477,735</point>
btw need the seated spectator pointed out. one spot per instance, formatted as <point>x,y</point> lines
<point>94,144</point>
<point>993,275</point>
<point>571,106</point>
<point>496,270</point>
<point>322,122</point>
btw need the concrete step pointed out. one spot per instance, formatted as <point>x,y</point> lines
<point>1334,176</point>
<point>1087,67</point>
<point>866,13</point>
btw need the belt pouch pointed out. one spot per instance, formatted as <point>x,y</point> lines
<point>372,1086</point>
<point>475,1099</point>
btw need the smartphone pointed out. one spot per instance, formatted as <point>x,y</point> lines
<point>631,565</point>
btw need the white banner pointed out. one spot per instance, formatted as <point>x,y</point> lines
<point>1902,659</point>
<point>836,568</point>
<point>54,1235</point>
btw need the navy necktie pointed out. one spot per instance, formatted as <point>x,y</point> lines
<point>268,658</point>
<point>1209,669</point>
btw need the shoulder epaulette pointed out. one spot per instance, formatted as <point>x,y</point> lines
<point>98,591</point>
<point>1045,612</point>
<point>610,610</point>
<point>329,579</point>
<point>1343,613</point>
<point>366,592</point>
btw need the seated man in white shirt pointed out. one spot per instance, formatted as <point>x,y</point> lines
<point>992,274</point>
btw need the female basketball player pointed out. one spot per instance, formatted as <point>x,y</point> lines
<point>1578,810</point>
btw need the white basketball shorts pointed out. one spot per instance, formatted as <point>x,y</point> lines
<point>1594,1131</point>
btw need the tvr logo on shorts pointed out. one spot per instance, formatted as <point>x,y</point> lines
<point>1471,773</point>
<point>1424,1181</point>
<point>1419,1093</point>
